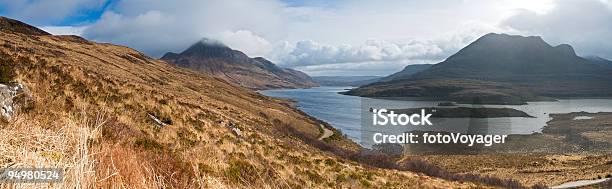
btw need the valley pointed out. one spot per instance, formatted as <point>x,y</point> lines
<point>95,110</point>
<point>212,116</point>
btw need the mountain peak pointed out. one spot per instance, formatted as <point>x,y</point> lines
<point>505,47</point>
<point>211,42</point>
<point>566,49</point>
<point>207,44</point>
<point>213,57</point>
<point>7,24</point>
<point>212,49</point>
<point>503,38</point>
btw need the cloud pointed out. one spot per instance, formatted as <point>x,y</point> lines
<point>64,30</point>
<point>584,24</point>
<point>370,68</point>
<point>149,31</point>
<point>309,52</point>
<point>248,42</point>
<point>375,57</point>
<point>48,11</point>
<point>159,26</point>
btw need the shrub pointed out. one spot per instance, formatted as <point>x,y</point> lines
<point>314,176</point>
<point>7,72</point>
<point>186,137</point>
<point>241,172</point>
<point>167,120</point>
<point>203,168</point>
<point>148,144</point>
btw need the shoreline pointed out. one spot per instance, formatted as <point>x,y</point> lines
<point>522,161</point>
<point>568,150</point>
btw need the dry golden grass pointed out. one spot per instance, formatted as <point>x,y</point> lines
<point>24,142</point>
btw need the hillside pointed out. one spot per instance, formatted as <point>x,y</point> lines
<point>407,72</point>
<point>215,58</point>
<point>502,69</point>
<point>600,61</point>
<point>112,117</point>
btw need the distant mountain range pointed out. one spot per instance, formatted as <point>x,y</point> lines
<point>502,69</point>
<point>356,81</point>
<point>215,58</point>
<point>353,81</point>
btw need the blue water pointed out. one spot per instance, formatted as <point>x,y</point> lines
<point>345,112</point>
<point>341,111</point>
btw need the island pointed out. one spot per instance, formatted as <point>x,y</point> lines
<point>463,112</point>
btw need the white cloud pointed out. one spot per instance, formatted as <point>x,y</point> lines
<point>159,26</point>
<point>248,42</point>
<point>64,30</point>
<point>310,53</point>
<point>149,31</point>
<point>584,24</point>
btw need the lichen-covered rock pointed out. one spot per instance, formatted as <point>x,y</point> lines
<point>12,98</point>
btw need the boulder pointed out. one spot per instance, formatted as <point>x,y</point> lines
<point>12,98</point>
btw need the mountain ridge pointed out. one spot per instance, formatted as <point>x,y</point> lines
<point>501,69</point>
<point>257,73</point>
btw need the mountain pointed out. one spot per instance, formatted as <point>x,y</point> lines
<point>353,81</point>
<point>407,71</point>
<point>600,61</point>
<point>16,26</point>
<point>215,58</point>
<point>112,117</point>
<point>501,69</point>
<point>356,81</point>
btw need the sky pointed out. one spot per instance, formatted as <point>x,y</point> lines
<point>321,37</point>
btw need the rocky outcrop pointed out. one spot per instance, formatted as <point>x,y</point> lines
<point>12,99</point>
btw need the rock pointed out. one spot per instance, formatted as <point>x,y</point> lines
<point>13,98</point>
<point>237,132</point>
<point>156,120</point>
<point>393,150</point>
<point>234,129</point>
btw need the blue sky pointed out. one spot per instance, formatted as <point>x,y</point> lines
<point>320,37</point>
<point>84,16</point>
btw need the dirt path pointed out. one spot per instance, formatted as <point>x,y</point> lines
<point>326,132</point>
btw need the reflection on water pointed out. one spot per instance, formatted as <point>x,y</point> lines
<point>345,112</point>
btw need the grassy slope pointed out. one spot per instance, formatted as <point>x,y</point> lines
<point>90,111</point>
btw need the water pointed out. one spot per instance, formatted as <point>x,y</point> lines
<point>324,103</point>
<point>345,112</point>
